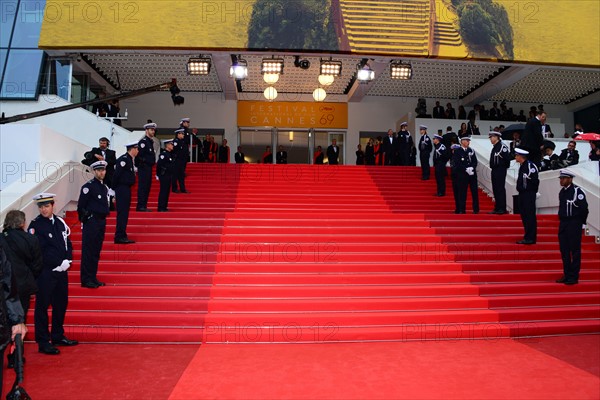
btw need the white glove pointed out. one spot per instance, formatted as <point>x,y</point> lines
<point>111,193</point>
<point>470,171</point>
<point>157,178</point>
<point>65,265</point>
<point>538,195</point>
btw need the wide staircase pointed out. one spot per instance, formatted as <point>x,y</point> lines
<point>385,26</point>
<point>299,253</point>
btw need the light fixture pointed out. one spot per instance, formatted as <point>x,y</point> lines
<point>319,94</point>
<point>270,93</point>
<point>326,80</point>
<point>400,70</point>
<point>291,136</point>
<point>272,66</point>
<point>364,73</point>
<point>271,79</point>
<point>331,67</point>
<point>302,64</point>
<point>239,69</point>
<point>198,66</point>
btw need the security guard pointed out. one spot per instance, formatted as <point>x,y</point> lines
<point>164,170</point>
<point>499,163</point>
<point>52,233</point>
<point>440,158</point>
<point>144,162</point>
<point>527,185</point>
<point>425,148</point>
<point>93,208</point>
<point>572,213</point>
<point>465,165</point>
<point>180,155</point>
<point>123,180</point>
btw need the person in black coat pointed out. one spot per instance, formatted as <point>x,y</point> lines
<point>103,153</point>
<point>360,155</point>
<point>464,161</point>
<point>499,163</point>
<point>144,162</point>
<point>180,156</point>
<point>572,213</point>
<point>390,148</point>
<point>240,158</point>
<point>425,148</point>
<point>370,153</point>
<point>165,167</point>
<point>405,145</point>
<point>440,158</point>
<point>569,156</point>
<point>123,180</point>
<point>333,153</point>
<point>281,156</point>
<point>532,139</point>
<point>52,233</point>
<point>528,183</point>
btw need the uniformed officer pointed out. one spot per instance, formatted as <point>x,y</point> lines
<point>572,213</point>
<point>405,144</point>
<point>527,186</point>
<point>123,180</point>
<point>440,158</point>
<point>92,209</point>
<point>180,155</point>
<point>465,165</point>
<point>145,161</point>
<point>499,163</point>
<point>164,170</point>
<point>453,174</point>
<point>194,154</point>
<point>425,148</point>
<point>53,285</point>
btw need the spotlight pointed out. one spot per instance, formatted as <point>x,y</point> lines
<point>400,70</point>
<point>331,67</point>
<point>272,66</point>
<point>198,66</point>
<point>303,64</point>
<point>364,73</point>
<point>177,99</point>
<point>239,69</point>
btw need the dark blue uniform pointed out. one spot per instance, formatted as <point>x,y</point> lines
<point>145,160</point>
<point>164,169</point>
<point>123,180</point>
<point>440,158</point>
<point>453,177</point>
<point>463,159</point>
<point>499,163</point>
<point>180,155</point>
<point>405,144</point>
<point>93,208</point>
<point>527,186</point>
<point>425,148</point>
<point>53,286</point>
<point>572,212</point>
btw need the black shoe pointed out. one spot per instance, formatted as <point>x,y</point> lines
<point>501,212</point>
<point>493,212</point>
<point>525,242</point>
<point>48,349</point>
<point>176,191</point>
<point>143,209</point>
<point>124,241</point>
<point>571,282</point>
<point>163,210</point>
<point>561,280</point>
<point>475,212</point>
<point>185,191</point>
<point>89,285</point>
<point>65,342</point>
<point>97,282</point>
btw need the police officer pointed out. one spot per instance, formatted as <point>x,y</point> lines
<point>191,140</point>
<point>440,158</point>
<point>499,163</point>
<point>92,209</point>
<point>145,161</point>
<point>425,148</point>
<point>572,213</point>
<point>453,177</point>
<point>527,185</point>
<point>53,285</point>
<point>465,165</point>
<point>164,170</point>
<point>405,144</point>
<point>123,180</point>
<point>180,156</point>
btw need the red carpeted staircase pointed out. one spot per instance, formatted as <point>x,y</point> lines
<point>298,253</point>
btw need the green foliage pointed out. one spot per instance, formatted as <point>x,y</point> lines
<point>299,25</point>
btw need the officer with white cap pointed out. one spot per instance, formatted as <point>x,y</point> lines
<point>572,213</point>
<point>123,180</point>
<point>465,166</point>
<point>165,168</point>
<point>440,158</point>
<point>180,156</point>
<point>499,163</point>
<point>145,160</point>
<point>425,148</point>
<point>405,144</point>
<point>93,208</point>
<point>52,233</point>
<point>528,183</point>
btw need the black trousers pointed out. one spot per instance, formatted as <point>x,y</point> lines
<point>165,190</point>
<point>91,245</point>
<point>454,177</point>
<point>425,166</point>
<point>528,217</point>
<point>465,182</point>
<point>144,184</point>
<point>123,197</point>
<point>440,178</point>
<point>179,177</point>
<point>569,240</point>
<point>53,290</point>
<point>498,188</point>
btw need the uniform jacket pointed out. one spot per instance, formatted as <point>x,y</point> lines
<point>55,244</point>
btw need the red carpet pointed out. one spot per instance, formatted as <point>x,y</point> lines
<point>298,253</point>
